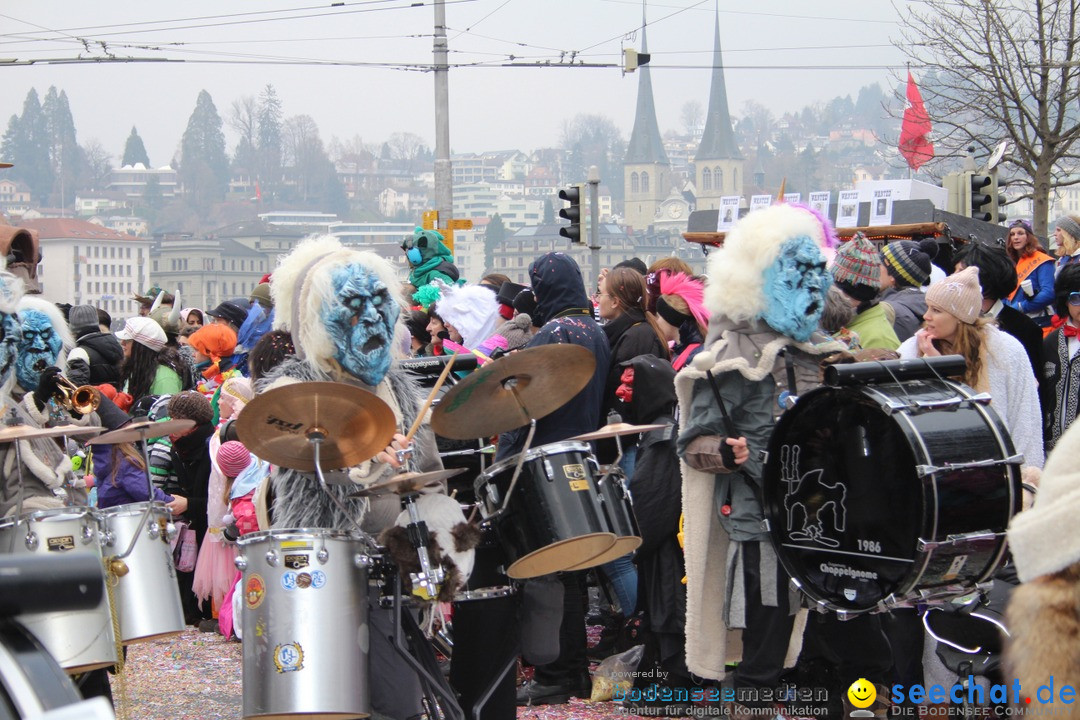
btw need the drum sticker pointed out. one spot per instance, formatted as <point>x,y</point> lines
<point>574,471</point>
<point>806,491</point>
<point>59,544</point>
<point>850,594</point>
<point>579,485</point>
<point>318,579</point>
<point>288,581</point>
<point>254,591</point>
<point>955,567</point>
<point>297,545</point>
<point>303,580</point>
<point>297,562</point>
<point>289,657</point>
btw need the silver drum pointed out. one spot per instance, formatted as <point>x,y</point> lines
<point>79,640</point>
<point>147,597</point>
<point>305,624</point>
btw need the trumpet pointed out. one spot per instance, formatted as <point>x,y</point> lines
<point>83,399</point>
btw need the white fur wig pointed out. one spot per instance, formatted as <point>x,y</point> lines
<point>11,289</point>
<point>736,270</point>
<point>60,326</point>
<point>302,284</point>
<point>472,310</point>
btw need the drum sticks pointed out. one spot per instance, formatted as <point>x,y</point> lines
<point>430,399</point>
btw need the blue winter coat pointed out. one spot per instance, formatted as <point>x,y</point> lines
<point>130,482</point>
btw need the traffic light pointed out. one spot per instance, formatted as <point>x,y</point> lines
<point>572,213</point>
<point>981,199</point>
<point>997,200</point>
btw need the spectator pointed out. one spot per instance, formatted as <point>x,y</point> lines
<point>100,351</point>
<point>1034,291</point>
<point>1061,376</point>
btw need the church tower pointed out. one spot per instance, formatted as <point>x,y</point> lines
<point>647,171</point>
<point>718,165</point>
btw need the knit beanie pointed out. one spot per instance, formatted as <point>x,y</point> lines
<point>83,320</point>
<point>191,405</point>
<point>857,263</point>
<point>525,302</point>
<point>909,262</point>
<point>959,295</point>
<point>261,295</point>
<point>233,458</point>
<point>1046,538</point>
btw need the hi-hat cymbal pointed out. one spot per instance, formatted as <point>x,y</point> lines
<point>545,378</point>
<point>143,430</point>
<point>403,483</point>
<point>616,429</point>
<point>352,424</point>
<point>22,432</point>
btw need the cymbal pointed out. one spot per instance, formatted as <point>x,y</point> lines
<point>545,378</point>
<point>615,429</point>
<point>352,424</point>
<point>143,430</point>
<point>22,432</point>
<point>403,483</point>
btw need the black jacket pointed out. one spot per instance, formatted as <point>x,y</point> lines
<point>106,357</point>
<point>629,335</point>
<point>566,313</point>
<point>191,463</point>
<point>1030,335</point>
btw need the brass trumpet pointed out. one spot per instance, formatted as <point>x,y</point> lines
<point>83,399</point>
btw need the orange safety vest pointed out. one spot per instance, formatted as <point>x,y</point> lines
<point>1025,266</point>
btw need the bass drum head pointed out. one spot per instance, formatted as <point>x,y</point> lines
<point>844,505</point>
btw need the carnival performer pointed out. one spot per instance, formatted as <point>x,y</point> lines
<point>429,259</point>
<point>342,307</point>
<point>765,293</point>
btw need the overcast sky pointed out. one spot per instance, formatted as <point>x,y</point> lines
<point>837,46</point>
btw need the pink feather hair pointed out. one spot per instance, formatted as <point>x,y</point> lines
<point>690,290</point>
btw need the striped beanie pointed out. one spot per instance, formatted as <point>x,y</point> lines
<point>233,458</point>
<point>909,262</point>
<point>857,263</point>
<point>959,295</point>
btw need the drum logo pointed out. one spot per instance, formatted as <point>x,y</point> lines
<point>303,580</point>
<point>289,657</point>
<point>280,424</point>
<point>811,499</point>
<point>296,562</point>
<point>254,591</point>
<point>850,594</point>
<point>59,544</point>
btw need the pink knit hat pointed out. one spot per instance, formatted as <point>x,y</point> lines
<point>233,458</point>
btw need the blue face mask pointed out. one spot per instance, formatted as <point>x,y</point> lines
<point>795,287</point>
<point>361,323</point>
<point>414,256</point>
<point>39,347</point>
<point>10,337</point>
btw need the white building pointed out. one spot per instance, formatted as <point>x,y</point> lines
<point>86,264</point>
<point>133,180</point>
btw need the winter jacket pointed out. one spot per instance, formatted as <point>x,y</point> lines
<point>874,329</point>
<point>1026,331</point>
<point>1037,306</point>
<point>1061,387</point>
<point>566,313</point>
<point>191,463</point>
<point>909,306</point>
<point>437,263</point>
<point>106,357</point>
<point>629,335</point>
<point>129,485</point>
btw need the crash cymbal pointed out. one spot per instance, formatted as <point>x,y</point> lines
<point>22,432</point>
<point>482,404</point>
<point>408,482</point>
<point>142,430</point>
<point>353,424</point>
<point>616,429</point>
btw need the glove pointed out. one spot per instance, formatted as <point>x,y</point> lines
<point>78,367</point>
<point>47,386</point>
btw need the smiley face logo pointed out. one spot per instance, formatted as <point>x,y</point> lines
<point>862,693</point>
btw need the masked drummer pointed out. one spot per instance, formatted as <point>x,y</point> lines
<point>342,307</point>
<point>765,292</point>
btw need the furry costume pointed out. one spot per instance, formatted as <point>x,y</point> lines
<point>749,326</point>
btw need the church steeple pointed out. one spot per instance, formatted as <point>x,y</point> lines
<point>646,145</point>
<point>718,137</point>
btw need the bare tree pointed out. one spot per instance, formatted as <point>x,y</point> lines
<point>244,119</point>
<point>692,116</point>
<point>98,164</point>
<point>1003,70</point>
<point>761,120</point>
<point>406,147</point>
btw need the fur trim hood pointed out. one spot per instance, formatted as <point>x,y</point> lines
<point>736,270</point>
<point>472,310</point>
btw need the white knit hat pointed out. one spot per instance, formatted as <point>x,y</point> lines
<point>1046,538</point>
<point>959,295</point>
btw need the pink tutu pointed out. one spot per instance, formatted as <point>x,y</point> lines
<point>226,615</point>
<point>214,570</point>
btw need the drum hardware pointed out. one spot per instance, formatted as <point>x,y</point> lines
<point>431,577</point>
<point>485,450</point>
<point>894,371</point>
<point>26,432</point>
<point>924,470</point>
<point>616,430</point>
<point>958,539</point>
<point>407,482</point>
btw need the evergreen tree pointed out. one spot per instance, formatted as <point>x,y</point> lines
<point>268,140</point>
<point>204,167</point>
<point>134,150</point>
<point>549,212</point>
<point>26,145</point>
<point>494,237</point>
<point>67,160</point>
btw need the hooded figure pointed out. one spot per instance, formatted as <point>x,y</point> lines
<point>472,310</point>
<point>765,294</point>
<point>429,258</point>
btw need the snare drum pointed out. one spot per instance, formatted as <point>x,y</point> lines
<point>305,624</point>
<point>884,495</point>
<point>80,640</point>
<point>554,520</point>
<point>147,597</point>
<point>619,513</point>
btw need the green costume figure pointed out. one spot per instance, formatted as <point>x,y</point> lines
<point>429,258</point>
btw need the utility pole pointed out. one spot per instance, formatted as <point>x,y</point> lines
<point>444,190</point>
<point>593,181</point>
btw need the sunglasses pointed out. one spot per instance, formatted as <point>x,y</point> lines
<point>1074,299</point>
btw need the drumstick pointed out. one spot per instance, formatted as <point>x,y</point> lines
<point>430,399</point>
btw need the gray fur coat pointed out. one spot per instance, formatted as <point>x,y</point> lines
<point>299,501</point>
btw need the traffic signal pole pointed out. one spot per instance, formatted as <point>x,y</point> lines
<point>444,189</point>
<point>593,181</point>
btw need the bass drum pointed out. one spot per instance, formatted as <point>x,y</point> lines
<point>888,494</point>
<point>31,683</point>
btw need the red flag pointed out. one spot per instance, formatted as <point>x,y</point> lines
<point>258,193</point>
<point>915,143</point>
